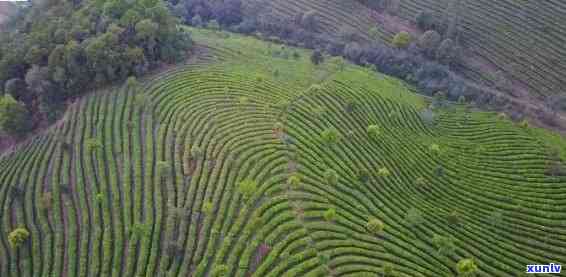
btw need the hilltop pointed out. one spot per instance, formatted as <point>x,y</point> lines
<point>250,160</point>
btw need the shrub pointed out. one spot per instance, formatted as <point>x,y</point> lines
<point>453,218</point>
<point>447,52</point>
<point>466,268</point>
<point>353,51</point>
<point>444,245</point>
<point>329,215</point>
<point>435,148</point>
<point>524,124</point>
<point>429,42</point>
<point>330,136</point>
<point>207,208</point>
<point>294,181</point>
<point>387,270</point>
<point>331,177</point>
<point>14,117</point>
<point>383,172</point>
<point>425,20</point>
<point>414,217</point>
<point>247,188</point>
<point>555,168</point>
<point>317,57</point>
<point>99,198</point>
<point>362,174</point>
<point>375,226</point>
<point>402,40</point>
<point>309,21</point>
<point>18,237</point>
<point>439,171</point>
<point>373,131</point>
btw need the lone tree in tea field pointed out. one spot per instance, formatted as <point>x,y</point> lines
<point>466,268</point>
<point>375,226</point>
<point>331,177</point>
<point>330,136</point>
<point>247,188</point>
<point>18,237</point>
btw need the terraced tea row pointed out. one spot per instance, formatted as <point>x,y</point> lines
<point>209,169</point>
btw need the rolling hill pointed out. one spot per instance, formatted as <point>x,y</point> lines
<point>520,38</point>
<point>251,161</point>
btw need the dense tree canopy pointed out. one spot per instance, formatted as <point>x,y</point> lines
<point>57,50</point>
<point>14,117</point>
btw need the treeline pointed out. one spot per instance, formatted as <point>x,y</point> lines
<point>57,49</point>
<point>431,61</point>
<point>425,62</point>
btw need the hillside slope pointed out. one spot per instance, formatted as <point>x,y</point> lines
<point>229,166</point>
<point>520,38</point>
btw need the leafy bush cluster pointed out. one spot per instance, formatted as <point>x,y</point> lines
<point>18,237</point>
<point>55,50</point>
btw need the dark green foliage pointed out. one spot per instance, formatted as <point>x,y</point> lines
<point>330,136</point>
<point>414,217</point>
<point>447,52</point>
<point>331,177</point>
<point>309,21</point>
<point>317,57</point>
<point>429,42</point>
<point>362,175</point>
<point>445,245</point>
<point>14,117</point>
<point>439,171</point>
<point>61,51</point>
<point>454,218</point>
<point>426,20</point>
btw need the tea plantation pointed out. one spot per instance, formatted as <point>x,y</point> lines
<point>252,161</point>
